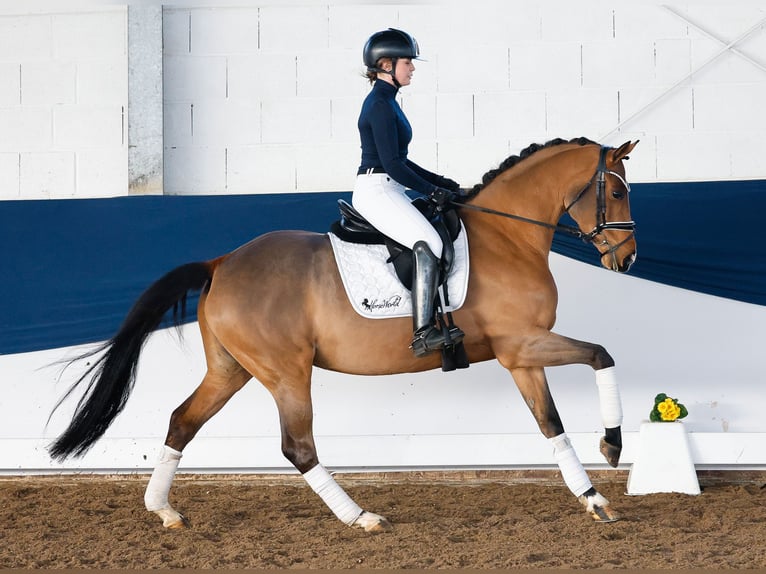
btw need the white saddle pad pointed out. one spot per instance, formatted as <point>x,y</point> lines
<point>373,288</point>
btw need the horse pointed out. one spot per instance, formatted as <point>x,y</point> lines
<point>274,308</point>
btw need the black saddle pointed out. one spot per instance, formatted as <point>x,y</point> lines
<point>354,228</point>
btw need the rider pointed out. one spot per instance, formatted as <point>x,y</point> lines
<point>385,172</point>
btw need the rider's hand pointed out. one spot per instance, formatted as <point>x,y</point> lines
<point>441,196</point>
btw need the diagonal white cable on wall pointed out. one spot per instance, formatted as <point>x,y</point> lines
<point>710,35</point>
<point>727,47</point>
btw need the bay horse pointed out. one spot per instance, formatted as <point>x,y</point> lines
<point>275,307</point>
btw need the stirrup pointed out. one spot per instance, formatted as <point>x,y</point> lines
<point>429,339</point>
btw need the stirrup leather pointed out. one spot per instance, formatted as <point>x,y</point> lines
<point>428,339</point>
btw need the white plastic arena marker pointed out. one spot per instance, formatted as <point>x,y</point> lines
<point>572,471</point>
<point>663,462</point>
<point>609,398</point>
<point>333,495</point>
<point>156,495</point>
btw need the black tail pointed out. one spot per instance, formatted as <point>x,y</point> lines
<point>112,376</point>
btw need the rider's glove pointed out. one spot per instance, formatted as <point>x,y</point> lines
<point>440,196</point>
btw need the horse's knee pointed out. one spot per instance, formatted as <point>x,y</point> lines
<point>301,454</point>
<point>601,358</point>
<point>180,432</point>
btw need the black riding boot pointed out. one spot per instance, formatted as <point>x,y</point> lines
<point>425,282</point>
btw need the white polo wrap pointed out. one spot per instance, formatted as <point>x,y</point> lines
<point>332,494</point>
<point>156,495</point>
<point>609,398</point>
<point>572,471</point>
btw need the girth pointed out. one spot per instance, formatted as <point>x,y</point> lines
<point>354,228</point>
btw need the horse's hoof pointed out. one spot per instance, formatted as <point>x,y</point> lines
<point>171,518</point>
<point>373,523</point>
<point>598,507</point>
<point>611,452</point>
<point>604,514</point>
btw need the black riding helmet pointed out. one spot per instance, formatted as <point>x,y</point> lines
<point>391,43</point>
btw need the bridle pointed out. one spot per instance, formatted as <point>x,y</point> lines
<point>599,177</point>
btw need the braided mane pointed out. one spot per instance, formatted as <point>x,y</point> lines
<point>511,161</point>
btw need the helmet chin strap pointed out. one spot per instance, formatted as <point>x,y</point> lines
<point>392,73</point>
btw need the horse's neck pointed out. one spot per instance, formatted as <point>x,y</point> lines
<point>536,188</point>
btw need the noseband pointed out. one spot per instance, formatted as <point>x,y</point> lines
<point>601,223</point>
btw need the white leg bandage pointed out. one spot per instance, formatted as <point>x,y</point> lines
<point>609,398</point>
<point>332,494</point>
<point>156,495</point>
<point>572,470</point>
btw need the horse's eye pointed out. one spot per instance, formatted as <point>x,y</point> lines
<point>618,194</point>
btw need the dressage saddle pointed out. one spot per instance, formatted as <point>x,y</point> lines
<point>354,228</point>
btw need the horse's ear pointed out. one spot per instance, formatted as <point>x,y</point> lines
<point>622,151</point>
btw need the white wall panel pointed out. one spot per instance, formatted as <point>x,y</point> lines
<point>453,120</point>
<point>326,167</point>
<point>25,38</point>
<point>482,68</point>
<point>196,170</point>
<point>422,108</point>
<point>10,84</point>
<point>100,173</point>
<point>25,129</point>
<point>581,111</point>
<point>48,83</point>
<point>9,172</point>
<point>47,175</point>
<point>637,20</point>
<point>240,24</point>
<point>569,21</point>
<point>262,168</point>
<point>101,81</point>
<point>617,63</point>
<point>286,28</point>
<point>227,123</point>
<point>262,77</point>
<point>503,114</point>
<point>707,156</point>
<point>187,79</point>
<point>176,31</point>
<point>82,126</point>
<point>536,66</point>
<point>330,73</point>
<point>87,35</point>
<point>296,120</point>
<point>730,108</point>
<point>344,115</point>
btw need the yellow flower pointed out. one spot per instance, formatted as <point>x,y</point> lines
<point>669,410</point>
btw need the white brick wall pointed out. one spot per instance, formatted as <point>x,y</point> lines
<point>63,96</point>
<point>250,88</point>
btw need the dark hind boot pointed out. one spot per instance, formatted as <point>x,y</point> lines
<point>427,338</point>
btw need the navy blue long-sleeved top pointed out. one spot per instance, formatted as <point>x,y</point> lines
<point>385,134</point>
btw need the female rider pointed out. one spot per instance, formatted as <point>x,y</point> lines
<point>385,172</point>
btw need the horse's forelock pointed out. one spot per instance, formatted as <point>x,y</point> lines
<point>512,160</point>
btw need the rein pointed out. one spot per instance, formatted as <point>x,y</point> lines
<point>601,223</point>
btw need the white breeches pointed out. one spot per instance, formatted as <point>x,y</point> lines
<point>383,202</point>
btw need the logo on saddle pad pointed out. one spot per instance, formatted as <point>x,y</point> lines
<point>371,306</point>
<point>371,284</point>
